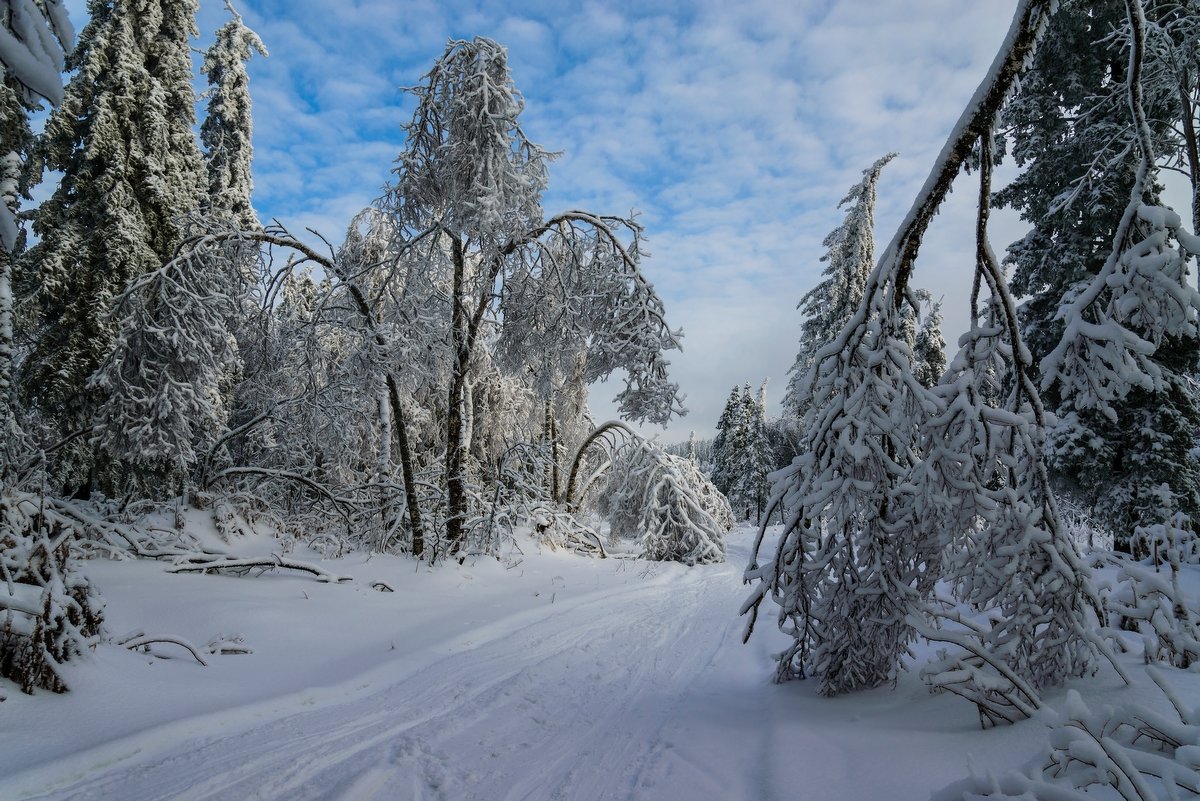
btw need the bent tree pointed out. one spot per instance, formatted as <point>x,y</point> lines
<point>467,201</point>
<point>857,561</point>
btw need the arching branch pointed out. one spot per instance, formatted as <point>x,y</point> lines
<point>606,428</point>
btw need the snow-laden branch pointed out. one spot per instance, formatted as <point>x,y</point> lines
<point>1029,23</point>
<point>271,562</point>
<point>1115,323</point>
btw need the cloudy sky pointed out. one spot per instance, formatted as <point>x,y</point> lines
<point>733,128</point>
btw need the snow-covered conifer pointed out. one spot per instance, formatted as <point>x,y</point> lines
<point>123,140</point>
<point>988,504</point>
<point>849,257</point>
<point>228,125</point>
<point>846,571</point>
<point>723,445</point>
<point>1090,262</point>
<point>751,457</point>
<point>49,612</point>
<point>33,38</point>
<point>929,349</point>
<point>161,383</point>
<point>844,568</point>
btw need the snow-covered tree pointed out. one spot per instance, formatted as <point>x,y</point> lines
<point>929,346</point>
<point>849,257</point>
<point>844,570</point>
<point>988,506</point>
<point>49,612</point>
<point>161,383</point>
<point>123,140</point>
<point>1072,129</point>
<point>666,504</point>
<point>33,38</point>
<point>723,448</point>
<point>855,558</point>
<point>750,457</point>
<point>467,197</point>
<point>228,126</point>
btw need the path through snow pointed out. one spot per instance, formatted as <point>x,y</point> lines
<point>636,689</point>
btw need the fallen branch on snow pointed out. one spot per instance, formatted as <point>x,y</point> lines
<point>271,562</point>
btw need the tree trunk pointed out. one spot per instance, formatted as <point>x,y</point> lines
<point>573,476</point>
<point>406,467</point>
<point>554,454</point>
<point>8,433</point>
<point>456,480</point>
<point>1190,144</point>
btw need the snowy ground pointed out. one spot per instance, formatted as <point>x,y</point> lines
<point>551,677</point>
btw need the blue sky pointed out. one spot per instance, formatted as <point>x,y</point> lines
<point>734,128</point>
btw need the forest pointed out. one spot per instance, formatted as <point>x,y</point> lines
<point>194,401</point>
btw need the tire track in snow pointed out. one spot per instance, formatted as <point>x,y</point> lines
<point>569,704</point>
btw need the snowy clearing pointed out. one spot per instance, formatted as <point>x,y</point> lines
<point>547,677</point>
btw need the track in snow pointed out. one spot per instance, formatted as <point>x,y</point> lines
<point>570,703</point>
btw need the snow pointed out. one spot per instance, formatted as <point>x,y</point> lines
<point>541,676</point>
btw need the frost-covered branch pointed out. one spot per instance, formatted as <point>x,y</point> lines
<point>666,504</point>
<point>271,562</point>
<point>1130,752</point>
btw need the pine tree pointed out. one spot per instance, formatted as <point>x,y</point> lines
<point>849,257</point>
<point>752,459</point>
<point>131,169</point>
<point>228,127</point>
<point>32,43</point>
<point>929,347</point>
<point>1071,130</point>
<point>724,447</point>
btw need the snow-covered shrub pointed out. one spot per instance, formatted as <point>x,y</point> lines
<point>49,612</point>
<point>1130,752</point>
<point>665,503</point>
<point>1154,605</point>
<point>1084,532</point>
<point>520,497</point>
<point>1171,541</point>
<point>558,528</point>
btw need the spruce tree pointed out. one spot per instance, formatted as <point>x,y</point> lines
<point>849,257</point>
<point>228,126</point>
<point>929,347</point>
<point>123,140</point>
<point>723,446</point>
<point>1072,131</point>
<point>753,456</point>
<point>32,43</point>
<point>740,462</point>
